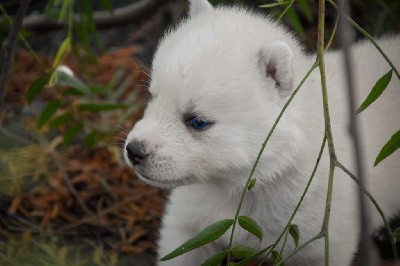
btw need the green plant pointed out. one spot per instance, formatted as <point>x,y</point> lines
<point>89,108</point>
<point>75,102</point>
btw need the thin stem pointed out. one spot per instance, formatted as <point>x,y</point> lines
<point>275,4</point>
<point>285,10</point>
<point>34,55</point>
<point>333,34</point>
<point>328,130</point>
<point>253,257</point>
<point>321,61</point>
<point>378,208</point>
<point>260,153</point>
<point>371,39</point>
<point>316,237</point>
<point>303,195</point>
<point>325,225</point>
<point>284,241</point>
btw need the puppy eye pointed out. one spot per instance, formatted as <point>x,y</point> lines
<point>198,123</point>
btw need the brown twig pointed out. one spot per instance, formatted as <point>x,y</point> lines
<point>8,47</point>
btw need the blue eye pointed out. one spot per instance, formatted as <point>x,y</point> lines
<point>199,123</point>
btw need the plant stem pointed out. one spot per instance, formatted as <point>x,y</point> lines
<point>370,38</point>
<point>328,130</point>
<point>316,237</point>
<point>253,257</point>
<point>378,208</point>
<point>285,10</point>
<point>333,34</point>
<point>260,153</point>
<point>302,196</point>
<point>325,225</point>
<point>320,59</point>
<point>34,55</point>
<point>284,241</point>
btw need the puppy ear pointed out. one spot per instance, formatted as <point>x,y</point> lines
<point>277,63</point>
<point>198,7</point>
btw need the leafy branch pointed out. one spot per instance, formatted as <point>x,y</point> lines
<point>262,150</point>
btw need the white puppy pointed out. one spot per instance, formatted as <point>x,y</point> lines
<point>218,82</point>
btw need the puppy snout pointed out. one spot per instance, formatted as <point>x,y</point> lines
<point>136,152</point>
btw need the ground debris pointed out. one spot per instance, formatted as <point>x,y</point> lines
<point>109,205</point>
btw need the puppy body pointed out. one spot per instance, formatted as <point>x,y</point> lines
<point>237,69</point>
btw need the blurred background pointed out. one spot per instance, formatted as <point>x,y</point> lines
<point>66,197</point>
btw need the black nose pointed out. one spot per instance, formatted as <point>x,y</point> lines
<point>136,152</point>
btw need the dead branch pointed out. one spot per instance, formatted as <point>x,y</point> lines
<point>103,19</point>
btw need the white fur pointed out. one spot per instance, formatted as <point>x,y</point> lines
<point>214,65</point>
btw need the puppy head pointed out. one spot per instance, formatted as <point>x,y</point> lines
<point>218,83</point>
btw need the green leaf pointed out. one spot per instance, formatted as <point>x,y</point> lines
<point>283,13</point>
<point>305,7</point>
<point>73,82</point>
<point>209,234</point>
<point>99,107</point>
<point>251,184</point>
<point>91,26</point>
<point>100,89</point>
<point>61,119</point>
<point>72,91</point>
<point>376,91</point>
<point>216,259</point>
<point>295,233</point>
<point>251,226</point>
<point>71,133</point>
<point>242,251</point>
<point>295,21</point>
<point>272,5</point>
<point>48,111</point>
<point>391,146</point>
<point>107,5</point>
<point>35,88</point>
<point>277,258</point>
<point>81,32</point>
<point>64,48</point>
<point>253,257</point>
<point>91,139</point>
<point>63,11</point>
<point>24,33</point>
<point>397,234</point>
